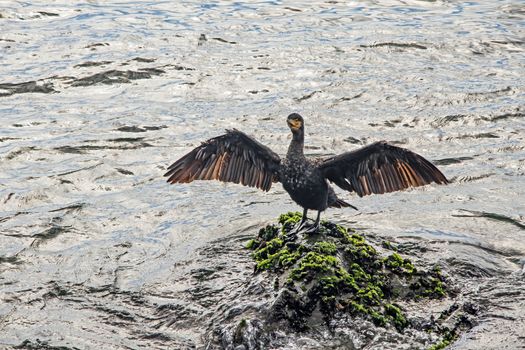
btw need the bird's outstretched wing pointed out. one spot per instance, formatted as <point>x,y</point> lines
<point>380,168</point>
<point>232,157</point>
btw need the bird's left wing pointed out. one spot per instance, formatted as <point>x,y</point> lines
<point>232,157</point>
<point>380,168</point>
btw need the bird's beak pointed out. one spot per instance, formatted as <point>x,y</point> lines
<point>294,124</point>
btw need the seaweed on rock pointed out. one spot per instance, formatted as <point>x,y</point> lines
<point>337,271</point>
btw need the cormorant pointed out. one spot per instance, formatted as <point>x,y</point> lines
<point>236,157</point>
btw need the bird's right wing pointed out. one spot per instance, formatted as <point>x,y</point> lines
<point>380,168</point>
<point>232,157</point>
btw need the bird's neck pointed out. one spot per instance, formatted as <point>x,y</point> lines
<point>295,150</point>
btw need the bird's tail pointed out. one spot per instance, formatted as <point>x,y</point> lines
<point>339,203</point>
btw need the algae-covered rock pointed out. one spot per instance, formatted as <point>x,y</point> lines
<point>336,271</point>
<point>333,289</point>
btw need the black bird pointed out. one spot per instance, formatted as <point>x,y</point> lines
<point>236,157</point>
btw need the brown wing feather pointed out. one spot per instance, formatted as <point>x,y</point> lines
<point>232,157</point>
<point>380,168</point>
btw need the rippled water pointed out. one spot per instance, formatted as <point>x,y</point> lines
<point>97,98</point>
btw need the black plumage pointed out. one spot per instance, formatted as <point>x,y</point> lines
<point>236,157</point>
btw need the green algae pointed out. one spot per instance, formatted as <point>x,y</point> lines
<point>311,265</point>
<point>397,318</point>
<point>339,271</point>
<point>289,220</point>
<point>396,262</point>
<point>389,245</point>
<point>327,248</point>
<point>448,338</point>
<point>251,244</point>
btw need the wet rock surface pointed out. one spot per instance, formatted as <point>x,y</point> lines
<point>334,283</point>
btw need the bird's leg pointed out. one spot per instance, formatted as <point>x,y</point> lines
<point>303,220</point>
<point>315,227</point>
<point>301,223</point>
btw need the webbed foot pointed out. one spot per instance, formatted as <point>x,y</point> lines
<point>311,229</point>
<point>300,226</point>
<point>315,227</point>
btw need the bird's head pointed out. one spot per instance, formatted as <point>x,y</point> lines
<point>295,122</point>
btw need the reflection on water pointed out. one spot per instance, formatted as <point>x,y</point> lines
<point>97,98</point>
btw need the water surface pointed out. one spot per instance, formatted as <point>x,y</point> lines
<point>98,98</point>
